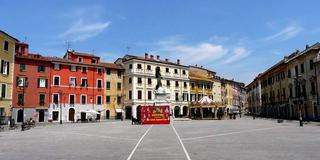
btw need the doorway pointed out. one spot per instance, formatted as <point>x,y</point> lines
<point>176,111</point>
<point>20,116</point>
<point>83,116</point>
<point>71,114</point>
<point>107,114</point>
<point>139,114</point>
<point>128,112</point>
<point>41,115</point>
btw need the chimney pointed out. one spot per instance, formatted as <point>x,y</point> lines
<point>167,60</point>
<point>307,46</point>
<point>151,56</point>
<point>158,57</point>
<point>178,61</point>
<point>146,55</point>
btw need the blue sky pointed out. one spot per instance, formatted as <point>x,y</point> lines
<point>237,39</point>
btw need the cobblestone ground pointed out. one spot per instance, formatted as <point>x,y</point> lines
<point>197,140</point>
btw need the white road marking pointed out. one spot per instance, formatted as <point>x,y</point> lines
<point>230,133</point>
<point>135,147</point>
<point>184,149</point>
<point>98,136</point>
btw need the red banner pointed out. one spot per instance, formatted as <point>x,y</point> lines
<point>155,114</point>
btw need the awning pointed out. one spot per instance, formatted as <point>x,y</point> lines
<point>91,111</point>
<point>119,110</point>
<point>205,100</point>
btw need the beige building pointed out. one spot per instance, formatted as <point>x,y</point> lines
<point>114,92</point>
<point>7,50</point>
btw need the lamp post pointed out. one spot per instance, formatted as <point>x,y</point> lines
<point>299,98</point>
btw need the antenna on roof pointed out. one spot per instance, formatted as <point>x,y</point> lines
<point>25,39</point>
<point>128,49</point>
<point>68,45</point>
<point>93,51</point>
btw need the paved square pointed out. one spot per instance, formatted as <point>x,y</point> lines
<point>197,140</point>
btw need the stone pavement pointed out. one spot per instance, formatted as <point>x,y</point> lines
<point>197,140</point>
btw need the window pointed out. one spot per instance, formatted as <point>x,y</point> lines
<point>41,68</point>
<point>119,74</point>
<point>184,72</point>
<point>118,99</point>
<point>108,85</point>
<point>289,73</point>
<point>55,98</point>
<point>20,99</point>
<point>296,70</point>
<point>99,70</point>
<point>84,69</point>
<point>311,64</point>
<point>21,81</point>
<point>71,99</point>
<point>130,66</point>
<point>84,82</point>
<point>99,83</point>
<point>177,96</point>
<point>22,67</point>
<point>175,71</point>
<point>119,86</point>
<point>93,61</point>
<point>302,67</point>
<point>149,95</point>
<point>139,66</point>
<point>149,67</point>
<point>185,84</point>
<point>5,67</point>
<point>99,100</point>
<point>192,85</point>
<point>313,88</point>
<point>107,99</point>
<point>139,94</point>
<point>83,99</point>
<point>167,70</point>
<point>168,82</point>
<point>42,98</point>
<point>73,81</point>
<point>130,95</point>
<point>139,80</point>
<point>108,71</point>
<point>149,81</point>
<point>73,68</point>
<point>185,96</point>
<point>130,80</point>
<point>55,115</point>
<point>42,83</point>
<point>177,84</point>
<point>6,45</point>
<point>2,112</point>
<point>56,80</point>
<point>56,67</point>
<point>79,59</point>
<point>3,90</point>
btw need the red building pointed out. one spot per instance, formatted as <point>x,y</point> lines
<point>31,89</point>
<point>76,87</point>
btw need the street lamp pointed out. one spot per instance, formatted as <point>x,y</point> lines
<point>299,97</point>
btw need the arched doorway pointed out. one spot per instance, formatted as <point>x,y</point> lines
<point>139,114</point>
<point>20,116</point>
<point>185,111</point>
<point>128,112</point>
<point>107,114</point>
<point>41,115</point>
<point>71,114</point>
<point>176,111</point>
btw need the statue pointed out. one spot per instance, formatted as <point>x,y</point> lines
<point>158,76</point>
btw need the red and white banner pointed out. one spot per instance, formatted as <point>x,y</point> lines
<point>155,114</point>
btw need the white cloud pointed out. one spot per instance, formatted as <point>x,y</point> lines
<point>80,31</point>
<point>239,53</point>
<point>286,33</point>
<point>199,53</point>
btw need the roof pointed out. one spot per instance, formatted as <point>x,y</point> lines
<point>82,54</point>
<point>63,60</point>
<point>213,72</point>
<point>131,57</point>
<point>3,32</point>
<point>33,56</point>
<point>112,66</point>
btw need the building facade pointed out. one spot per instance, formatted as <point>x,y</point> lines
<point>7,49</point>
<point>140,82</point>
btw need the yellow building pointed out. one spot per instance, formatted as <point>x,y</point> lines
<point>7,50</point>
<point>113,108</point>
<point>203,84</point>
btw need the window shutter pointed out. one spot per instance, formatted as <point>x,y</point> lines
<point>46,83</point>
<point>2,61</point>
<point>26,82</point>
<point>17,81</point>
<point>8,68</point>
<point>38,82</point>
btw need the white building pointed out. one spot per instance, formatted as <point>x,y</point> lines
<point>140,82</point>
